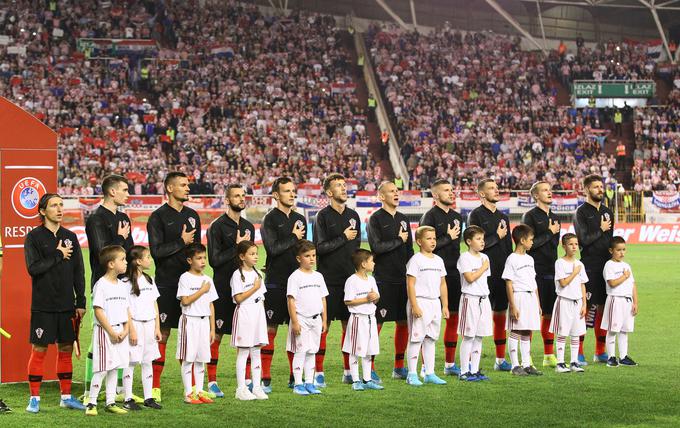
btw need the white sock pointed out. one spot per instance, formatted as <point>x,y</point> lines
<point>354,367</point>
<point>199,375</point>
<point>147,379</point>
<point>561,347</point>
<point>96,385</point>
<point>366,367</point>
<point>476,354</point>
<point>611,343</point>
<point>310,363</point>
<point>256,365</point>
<point>525,350</point>
<point>111,382</point>
<point>127,382</point>
<point>186,376</point>
<point>241,359</point>
<point>413,351</point>
<point>428,355</point>
<point>466,353</point>
<point>623,344</point>
<point>298,366</point>
<point>513,348</point>
<point>575,342</point>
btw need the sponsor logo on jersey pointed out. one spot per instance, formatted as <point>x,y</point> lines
<point>26,194</point>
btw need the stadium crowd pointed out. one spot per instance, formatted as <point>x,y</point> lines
<point>479,105</point>
<point>656,156</point>
<point>233,95</point>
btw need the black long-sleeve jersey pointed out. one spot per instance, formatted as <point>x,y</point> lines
<point>495,248</point>
<point>448,249</point>
<point>333,249</point>
<point>166,244</point>
<point>101,229</point>
<point>222,255</point>
<point>58,283</point>
<point>593,241</point>
<point>391,252</point>
<point>544,250</point>
<point>279,242</point>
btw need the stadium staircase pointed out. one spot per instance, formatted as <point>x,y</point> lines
<point>372,128</point>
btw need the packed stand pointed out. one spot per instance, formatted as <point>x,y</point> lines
<point>230,95</point>
<point>478,106</point>
<point>657,147</point>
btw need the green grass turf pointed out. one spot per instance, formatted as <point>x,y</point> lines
<point>641,396</point>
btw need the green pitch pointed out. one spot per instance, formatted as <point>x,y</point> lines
<point>639,396</point>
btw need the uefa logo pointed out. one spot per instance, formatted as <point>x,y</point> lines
<point>25,197</point>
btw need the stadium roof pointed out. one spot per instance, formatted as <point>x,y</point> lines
<point>594,20</point>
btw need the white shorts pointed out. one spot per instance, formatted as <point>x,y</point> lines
<point>146,349</point>
<point>249,326</point>
<point>529,312</point>
<point>108,356</point>
<point>618,314</point>
<point>361,338</point>
<point>429,324</point>
<point>566,318</point>
<point>309,338</point>
<point>193,339</point>
<point>475,316</point>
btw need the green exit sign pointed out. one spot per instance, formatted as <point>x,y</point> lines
<point>613,89</point>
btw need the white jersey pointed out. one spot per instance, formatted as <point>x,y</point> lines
<point>239,286</point>
<point>189,284</point>
<point>428,272</point>
<point>113,299</point>
<point>307,289</point>
<point>358,288</point>
<point>468,262</point>
<point>572,290</point>
<point>519,268</point>
<point>143,307</point>
<point>614,270</point>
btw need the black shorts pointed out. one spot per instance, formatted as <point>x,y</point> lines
<point>52,327</point>
<point>335,303</point>
<point>498,295</point>
<point>276,305</point>
<point>169,307</point>
<point>546,292</point>
<point>596,290</point>
<point>224,314</point>
<point>453,291</point>
<point>392,303</point>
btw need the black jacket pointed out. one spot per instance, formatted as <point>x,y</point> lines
<point>544,250</point>
<point>391,253</point>
<point>279,242</point>
<point>448,249</point>
<point>222,255</point>
<point>593,241</point>
<point>58,284</point>
<point>495,248</point>
<point>102,230</point>
<point>333,249</point>
<point>166,244</point>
